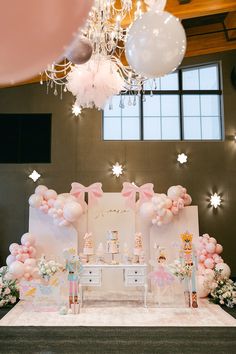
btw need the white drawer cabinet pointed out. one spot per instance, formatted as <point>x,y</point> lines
<point>134,275</point>
<point>135,281</point>
<point>90,281</point>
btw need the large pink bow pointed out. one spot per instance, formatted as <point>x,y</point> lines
<point>94,192</point>
<point>129,191</point>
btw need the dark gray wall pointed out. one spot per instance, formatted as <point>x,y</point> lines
<point>79,154</point>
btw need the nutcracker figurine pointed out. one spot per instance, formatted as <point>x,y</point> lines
<point>188,259</point>
<point>73,267</point>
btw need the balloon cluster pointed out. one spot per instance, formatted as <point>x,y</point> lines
<point>94,82</point>
<point>162,208</point>
<point>63,208</point>
<point>210,263</point>
<point>21,261</point>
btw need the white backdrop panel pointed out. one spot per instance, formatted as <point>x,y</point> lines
<point>51,240</point>
<point>168,236</point>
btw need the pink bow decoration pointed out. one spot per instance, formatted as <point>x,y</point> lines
<point>94,192</point>
<point>129,191</point>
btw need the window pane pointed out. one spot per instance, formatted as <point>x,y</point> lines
<point>191,105</point>
<point>152,128</point>
<point>170,105</point>
<point>211,128</point>
<point>131,106</point>
<point>170,128</point>
<point>192,128</point>
<point>209,78</point>
<point>170,82</point>
<point>210,105</point>
<point>114,105</point>
<point>151,107</point>
<point>112,128</point>
<point>152,84</point>
<point>130,128</point>
<point>190,79</point>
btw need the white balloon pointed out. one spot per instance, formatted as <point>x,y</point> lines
<point>72,211</point>
<point>224,268</point>
<point>202,286</point>
<point>156,44</point>
<point>146,210</point>
<point>35,200</point>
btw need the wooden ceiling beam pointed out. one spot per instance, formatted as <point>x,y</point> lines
<point>207,40</point>
<point>198,8</point>
<point>230,22</point>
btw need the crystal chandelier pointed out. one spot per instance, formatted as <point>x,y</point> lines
<point>107,35</point>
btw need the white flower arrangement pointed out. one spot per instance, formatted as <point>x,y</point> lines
<point>224,291</point>
<point>48,268</point>
<point>9,291</point>
<point>180,270</point>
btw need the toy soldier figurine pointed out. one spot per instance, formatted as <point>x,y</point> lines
<point>189,260</point>
<point>73,266</point>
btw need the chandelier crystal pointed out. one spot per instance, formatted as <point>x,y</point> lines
<point>107,34</point>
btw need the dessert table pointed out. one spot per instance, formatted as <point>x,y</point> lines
<point>134,275</point>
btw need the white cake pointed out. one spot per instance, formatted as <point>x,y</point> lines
<point>88,245</point>
<point>113,242</point>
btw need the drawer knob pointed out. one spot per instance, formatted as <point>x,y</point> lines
<point>90,280</point>
<point>90,272</point>
<point>135,280</point>
<point>136,272</point>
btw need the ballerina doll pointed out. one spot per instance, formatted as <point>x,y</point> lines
<point>74,267</point>
<point>160,276</point>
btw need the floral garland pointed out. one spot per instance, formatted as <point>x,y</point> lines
<point>9,291</point>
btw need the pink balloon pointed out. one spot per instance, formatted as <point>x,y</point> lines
<point>17,269</point>
<point>209,263</point>
<point>210,247</point>
<point>35,200</point>
<point>72,211</point>
<point>27,276</point>
<point>50,194</point>
<point>13,246</point>
<point>146,210</point>
<point>10,259</point>
<point>28,238</point>
<point>225,270</point>
<point>202,258</point>
<point>51,202</point>
<point>26,50</point>
<point>32,252</point>
<point>219,248</point>
<point>40,190</point>
<point>203,290</point>
<point>204,252</point>
<point>213,240</point>
<point>31,262</point>
<point>206,236</point>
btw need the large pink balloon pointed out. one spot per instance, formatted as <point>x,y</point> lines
<point>203,290</point>
<point>35,33</point>
<point>17,269</point>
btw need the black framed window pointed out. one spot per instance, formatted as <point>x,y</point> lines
<point>184,105</point>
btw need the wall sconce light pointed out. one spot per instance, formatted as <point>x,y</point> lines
<point>182,158</point>
<point>34,175</point>
<point>235,137</point>
<point>117,169</point>
<point>215,200</point>
<point>76,110</point>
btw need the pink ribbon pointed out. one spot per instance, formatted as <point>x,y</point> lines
<point>94,192</point>
<point>129,191</point>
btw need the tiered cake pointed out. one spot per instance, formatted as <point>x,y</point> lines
<point>113,242</point>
